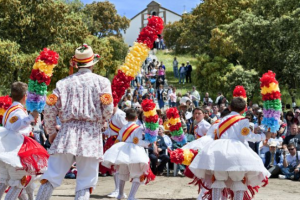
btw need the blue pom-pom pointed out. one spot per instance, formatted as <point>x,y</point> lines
<point>271,123</point>
<point>33,105</point>
<point>150,138</point>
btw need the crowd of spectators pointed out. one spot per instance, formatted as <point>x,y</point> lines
<point>279,154</point>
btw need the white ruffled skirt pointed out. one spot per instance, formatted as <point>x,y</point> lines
<point>126,153</point>
<point>229,155</point>
<point>199,143</point>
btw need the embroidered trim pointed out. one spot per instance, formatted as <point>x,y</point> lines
<point>245,131</point>
<point>135,140</point>
<point>13,119</point>
<point>51,99</point>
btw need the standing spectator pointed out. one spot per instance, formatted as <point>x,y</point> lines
<point>160,98</point>
<point>151,92</point>
<point>161,73</point>
<point>140,89</point>
<point>291,162</point>
<point>207,101</point>
<point>139,77</point>
<point>162,65</point>
<point>189,70</point>
<point>273,160</point>
<point>170,90</point>
<point>151,65</point>
<point>219,99</point>
<point>195,96</point>
<point>175,68</point>
<point>135,102</point>
<point>182,73</point>
<point>289,117</point>
<point>173,97</point>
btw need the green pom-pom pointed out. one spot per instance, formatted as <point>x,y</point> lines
<point>177,133</point>
<point>152,126</point>
<point>272,104</point>
<point>38,88</point>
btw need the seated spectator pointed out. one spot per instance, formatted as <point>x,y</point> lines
<point>294,137</point>
<point>291,164</point>
<point>189,137</point>
<point>215,112</point>
<point>158,151</point>
<point>167,139</point>
<point>134,102</point>
<point>222,107</point>
<point>273,160</point>
<point>72,173</point>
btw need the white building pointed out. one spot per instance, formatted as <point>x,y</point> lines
<point>139,21</point>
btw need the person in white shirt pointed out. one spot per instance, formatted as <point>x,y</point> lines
<point>201,125</point>
<point>195,96</point>
<point>291,163</point>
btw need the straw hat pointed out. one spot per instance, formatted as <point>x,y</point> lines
<point>85,57</point>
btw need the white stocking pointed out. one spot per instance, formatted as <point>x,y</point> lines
<point>116,179</point>
<point>2,189</point>
<point>121,189</point>
<point>23,196</point>
<point>30,190</point>
<point>134,188</point>
<point>239,195</point>
<point>83,194</point>
<point>216,193</point>
<point>13,193</point>
<point>45,192</point>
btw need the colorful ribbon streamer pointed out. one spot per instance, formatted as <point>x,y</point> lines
<point>151,120</point>
<point>175,126</point>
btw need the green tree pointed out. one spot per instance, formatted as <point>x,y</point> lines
<point>102,19</point>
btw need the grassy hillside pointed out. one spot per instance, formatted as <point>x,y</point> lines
<point>167,58</point>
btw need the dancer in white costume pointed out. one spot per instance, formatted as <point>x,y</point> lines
<point>83,102</point>
<point>129,156</point>
<point>229,158</point>
<point>13,140</point>
<point>116,122</point>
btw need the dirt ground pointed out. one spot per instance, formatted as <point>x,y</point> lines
<point>165,188</point>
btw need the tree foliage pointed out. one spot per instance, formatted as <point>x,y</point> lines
<point>103,20</point>
<point>26,27</point>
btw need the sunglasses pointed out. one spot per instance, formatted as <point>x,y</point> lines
<point>291,149</point>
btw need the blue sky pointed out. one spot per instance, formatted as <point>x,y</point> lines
<point>130,8</point>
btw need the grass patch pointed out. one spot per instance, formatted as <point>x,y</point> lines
<point>167,58</point>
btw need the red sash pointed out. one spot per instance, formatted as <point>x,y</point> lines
<point>228,123</point>
<point>129,131</point>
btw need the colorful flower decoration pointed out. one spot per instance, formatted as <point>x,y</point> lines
<point>272,101</point>
<point>5,103</point>
<point>183,156</point>
<point>175,126</point>
<point>40,78</point>
<point>135,58</point>
<point>151,120</point>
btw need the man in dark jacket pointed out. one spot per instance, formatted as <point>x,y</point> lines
<point>158,151</point>
<point>189,70</point>
<point>273,160</point>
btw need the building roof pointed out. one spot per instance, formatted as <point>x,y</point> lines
<point>159,6</point>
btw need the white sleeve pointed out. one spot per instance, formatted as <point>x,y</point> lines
<point>248,134</point>
<point>22,120</point>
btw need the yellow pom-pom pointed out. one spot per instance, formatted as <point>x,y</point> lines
<point>150,113</point>
<point>106,99</point>
<point>174,121</point>
<point>273,87</point>
<point>188,156</point>
<point>2,111</point>
<point>43,67</point>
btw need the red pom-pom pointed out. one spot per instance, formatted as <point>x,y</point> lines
<point>153,119</point>
<point>40,77</point>
<point>148,105</point>
<point>271,96</point>
<point>268,78</point>
<point>149,33</point>
<point>172,113</point>
<point>5,102</point>
<point>239,91</point>
<point>119,84</point>
<point>176,156</point>
<point>49,57</point>
<point>175,127</point>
